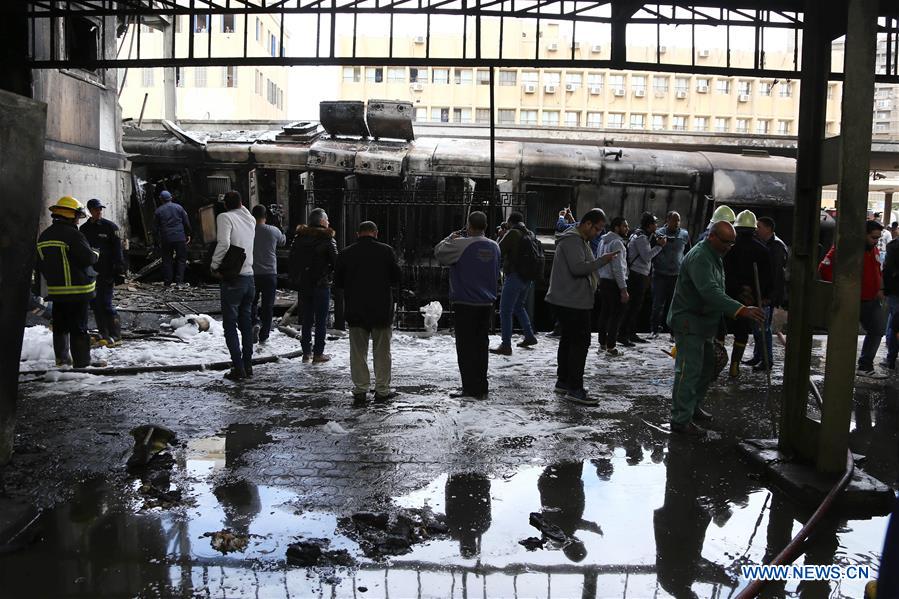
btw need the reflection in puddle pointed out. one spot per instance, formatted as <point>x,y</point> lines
<point>641,522</point>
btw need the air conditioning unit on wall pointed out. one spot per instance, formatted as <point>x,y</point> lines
<point>530,88</point>
<point>549,89</point>
<point>596,48</point>
<point>416,87</point>
<point>595,90</point>
<point>639,93</point>
<point>552,46</point>
<point>743,97</point>
<point>570,87</point>
<point>419,39</point>
<point>703,54</point>
<point>702,89</point>
<point>680,94</point>
<point>618,92</point>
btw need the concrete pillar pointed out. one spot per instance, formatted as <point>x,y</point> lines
<point>839,373</point>
<point>816,37</point>
<point>22,129</point>
<point>887,208</point>
<point>168,74</point>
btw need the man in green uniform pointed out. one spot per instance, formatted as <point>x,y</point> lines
<point>699,303</point>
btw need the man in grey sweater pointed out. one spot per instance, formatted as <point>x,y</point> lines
<point>265,272</point>
<point>612,285</point>
<point>572,285</point>
<point>642,247</point>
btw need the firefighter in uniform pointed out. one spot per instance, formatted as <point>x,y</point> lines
<point>739,280</point>
<point>103,236</point>
<point>66,260</point>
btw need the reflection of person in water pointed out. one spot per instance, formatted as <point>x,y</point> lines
<point>468,510</point>
<point>240,499</point>
<point>562,497</point>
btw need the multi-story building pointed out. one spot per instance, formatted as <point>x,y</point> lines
<point>584,97</point>
<point>208,92</point>
<point>886,98</point>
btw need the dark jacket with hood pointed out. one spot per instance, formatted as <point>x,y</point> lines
<point>103,236</point>
<point>367,271</point>
<point>170,223</point>
<point>313,256</point>
<point>738,272</point>
<point>66,261</point>
<point>891,269</point>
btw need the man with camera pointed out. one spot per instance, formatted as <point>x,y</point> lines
<point>642,246</point>
<point>474,262</point>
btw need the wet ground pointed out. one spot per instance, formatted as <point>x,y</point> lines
<point>446,489</point>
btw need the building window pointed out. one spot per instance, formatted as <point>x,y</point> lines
<point>552,78</point>
<point>680,123</point>
<point>830,89</point>
<point>179,77</point>
<point>594,119</point>
<point>722,86</point>
<point>658,122</point>
<point>573,81</point>
<point>572,119</point>
<point>638,83</point>
<point>660,84</point>
<point>421,114</point>
<point>257,82</point>
<point>505,116</point>
<point>884,104</point>
<point>258,29</point>
<point>462,76</point>
<point>786,90</point>
<point>616,84</point>
<point>530,77</point>
<point>200,23</point>
<point>594,80</point>
<point>227,23</point>
<point>681,84</point>
<point>744,88</point>
<point>700,123</point>
<point>440,76</point>
<point>440,115</point>
<point>147,77</point>
<point>551,118</point>
<point>374,74</point>
<point>761,126</point>
<point>483,77</point>
<point>461,115</point>
<point>482,115</point>
<point>616,120</point>
<point>722,125</point>
<point>638,121</point>
<point>418,74</point>
<point>508,78</point>
<point>784,128</point>
<point>351,74</point>
<point>199,76</point>
<point>396,74</point>
<point>528,117</point>
<point>702,85</point>
<point>764,88</point>
<point>229,76</point>
<point>742,125</point>
<point>273,45</point>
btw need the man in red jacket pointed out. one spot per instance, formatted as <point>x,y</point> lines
<point>871,311</point>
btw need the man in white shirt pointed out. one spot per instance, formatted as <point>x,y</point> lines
<point>236,232</point>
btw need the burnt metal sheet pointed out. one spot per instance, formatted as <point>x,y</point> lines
<point>384,159</point>
<point>463,158</point>
<point>343,118</point>
<point>290,156</point>
<point>390,118</point>
<point>752,179</point>
<point>560,162</point>
<point>333,155</point>
<point>228,152</point>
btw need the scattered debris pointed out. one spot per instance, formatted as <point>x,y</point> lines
<point>149,440</point>
<point>431,313</point>
<point>227,541</point>
<point>157,497</point>
<point>334,428</point>
<point>531,543</point>
<point>310,553</point>
<point>382,534</point>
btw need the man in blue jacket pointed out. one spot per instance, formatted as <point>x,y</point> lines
<point>173,233</point>
<point>474,262</point>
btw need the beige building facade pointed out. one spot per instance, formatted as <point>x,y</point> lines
<point>583,97</point>
<point>216,93</point>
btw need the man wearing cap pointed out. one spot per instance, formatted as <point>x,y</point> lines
<point>103,237</point>
<point>173,233</point>
<point>66,259</point>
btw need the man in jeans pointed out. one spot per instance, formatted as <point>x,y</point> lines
<point>237,228</point>
<point>265,272</point>
<point>367,272</point>
<point>612,286</point>
<point>891,290</point>
<point>312,260</point>
<point>572,285</point>
<point>515,288</point>
<point>173,231</point>
<point>665,268</point>
<point>871,309</point>
<point>474,262</point>
<point>640,252</point>
<point>778,252</point>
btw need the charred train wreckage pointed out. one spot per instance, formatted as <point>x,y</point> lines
<point>367,164</point>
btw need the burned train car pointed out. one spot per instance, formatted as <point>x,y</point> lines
<point>364,163</point>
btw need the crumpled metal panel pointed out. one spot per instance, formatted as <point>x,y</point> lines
<point>752,179</point>
<point>384,159</point>
<point>343,118</point>
<point>560,162</point>
<point>390,118</point>
<point>281,155</point>
<point>333,155</point>
<point>463,158</point>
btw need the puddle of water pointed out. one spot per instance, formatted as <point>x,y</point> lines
<point>673,520</point>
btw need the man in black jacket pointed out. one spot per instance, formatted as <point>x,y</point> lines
<point>367,271</point>
<point>103,236</point>
<point>777,249</point>
<point>65,259</point>
<point>312,259</point>
<point>891,291</point>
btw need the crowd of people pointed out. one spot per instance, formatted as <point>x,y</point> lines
<point>728,283</point>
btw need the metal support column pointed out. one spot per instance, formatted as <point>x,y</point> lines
<point>492,137</point>
<point>168,73</point>
<point>839,374</point>
<point>887,208</point>
<point>795,435</point>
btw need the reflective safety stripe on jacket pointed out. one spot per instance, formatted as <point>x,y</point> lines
<point>67,288</point>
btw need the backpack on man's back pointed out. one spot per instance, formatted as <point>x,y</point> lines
<point>530,258</point>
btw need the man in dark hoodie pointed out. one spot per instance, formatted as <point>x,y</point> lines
<point>515,287</point>
<point>367,271</point>
<point>172,227</point>
<point>572,286</point>
<point>312,260</point>
<point>891,291</point>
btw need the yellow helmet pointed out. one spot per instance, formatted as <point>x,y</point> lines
<point>745,219</point>
<point>67,207</point>
<point>723,212</point>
